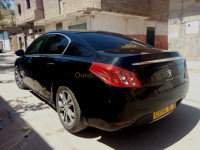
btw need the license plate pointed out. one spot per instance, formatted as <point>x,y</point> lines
<point>163,111</point>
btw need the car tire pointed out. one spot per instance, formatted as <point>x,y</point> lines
<point>69,110</point>
<point>19,79</point>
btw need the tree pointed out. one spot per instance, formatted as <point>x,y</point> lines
<point>6,12</point>
<point>5,4</point>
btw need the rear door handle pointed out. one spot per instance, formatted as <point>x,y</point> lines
<point>50,64</point>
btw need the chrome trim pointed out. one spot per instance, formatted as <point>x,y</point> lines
<point>45,42</point>
<point>156,61</point>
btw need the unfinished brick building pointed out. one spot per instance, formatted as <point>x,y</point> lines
<point>146,20</point>
<point>27,12</point>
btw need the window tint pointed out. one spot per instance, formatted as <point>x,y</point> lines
<point>108,41</point>
<point>55,44</point>
<point>77,49</point>
<point>35,47</point>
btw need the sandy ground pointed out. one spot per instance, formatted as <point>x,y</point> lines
<point>29,123</point>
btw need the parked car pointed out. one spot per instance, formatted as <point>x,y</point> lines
<point>101,79</point>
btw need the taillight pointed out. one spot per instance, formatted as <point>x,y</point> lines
<point>114,75</point>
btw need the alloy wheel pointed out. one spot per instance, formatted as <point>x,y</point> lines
<point>66,108</point>
<point>18,77</point>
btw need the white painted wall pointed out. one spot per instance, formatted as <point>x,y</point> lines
<point>182,36</point>
<point>105,21</point>
<point>6,41</point>
<point>113,22</point>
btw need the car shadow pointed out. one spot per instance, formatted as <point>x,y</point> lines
<point>7,63</point>
<point>16,133</point>
<point>157,135</point>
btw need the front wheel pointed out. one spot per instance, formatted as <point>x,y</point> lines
<point>68,110</point>
<point>19,79</point>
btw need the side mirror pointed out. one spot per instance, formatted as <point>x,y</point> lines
<point>19,52</point>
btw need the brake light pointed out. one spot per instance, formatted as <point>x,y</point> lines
<point>114,75</point>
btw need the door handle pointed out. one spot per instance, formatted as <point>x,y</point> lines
<point>50,64</point>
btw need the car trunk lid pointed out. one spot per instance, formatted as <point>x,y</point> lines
<point>153,67</point>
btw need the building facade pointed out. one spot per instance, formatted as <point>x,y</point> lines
<point>8,41</point>
<point>4,41</point>
<point>27,12</point>
<point>184,28</point>
<point>146,20</point>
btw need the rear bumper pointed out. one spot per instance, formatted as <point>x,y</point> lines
<point>138,112</point>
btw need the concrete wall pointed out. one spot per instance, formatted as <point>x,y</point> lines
<point>154,9</point>
<point>30,39</point>
<point>22,40</point>
<point>50,27</point>
<point>161,33</point>
<point>114,22</point>
<point>184,26</point>
<point>13,42</point>
<point>72,6</point>
<point>134,26</point>
<point>52,7</point>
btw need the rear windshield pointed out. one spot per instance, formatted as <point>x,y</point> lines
<point>109,41</point>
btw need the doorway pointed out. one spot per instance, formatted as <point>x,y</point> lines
<point>20,43</point>
<point>150,36</point>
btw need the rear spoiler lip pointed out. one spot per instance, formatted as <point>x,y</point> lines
<point>156,61</point>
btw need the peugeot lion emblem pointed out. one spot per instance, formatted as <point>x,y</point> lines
<point>169,73</point>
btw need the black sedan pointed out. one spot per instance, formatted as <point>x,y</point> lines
<point>102,79</point>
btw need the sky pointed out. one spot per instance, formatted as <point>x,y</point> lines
<point>12,5</point>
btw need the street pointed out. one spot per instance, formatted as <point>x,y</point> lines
<point>30,123</point>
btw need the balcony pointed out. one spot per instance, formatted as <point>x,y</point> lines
<point>29,16</point>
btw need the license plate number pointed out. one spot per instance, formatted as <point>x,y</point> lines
<point>163,111</point>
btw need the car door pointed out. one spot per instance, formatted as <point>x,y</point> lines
<point>74,70</point>
<point>46,65</point>
<point>31,51</point>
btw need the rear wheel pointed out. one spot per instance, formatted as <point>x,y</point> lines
<point>19,79</point>
<point>69,110</point>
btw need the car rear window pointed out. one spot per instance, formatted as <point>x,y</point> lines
<point>109,41</point>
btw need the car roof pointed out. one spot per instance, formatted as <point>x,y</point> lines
<point>70,32</point>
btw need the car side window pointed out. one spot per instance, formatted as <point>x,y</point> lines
<point>55,44</point>
<point>77,49</point>
<point>35,47</point>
